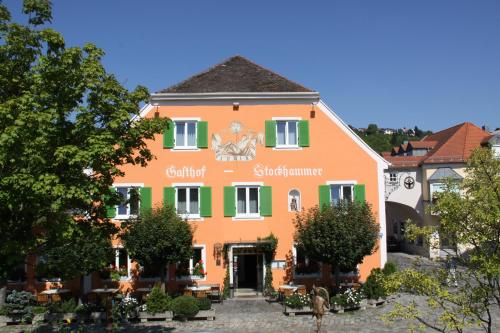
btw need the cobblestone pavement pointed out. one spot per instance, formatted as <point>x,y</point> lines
<point>258,316</point>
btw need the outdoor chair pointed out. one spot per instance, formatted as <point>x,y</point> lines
<point>56,298</point>
<point>215,293</point>
<point>200,294</point>
<point>301,290</point>
<point>42,298</point>
<point>187,292</point>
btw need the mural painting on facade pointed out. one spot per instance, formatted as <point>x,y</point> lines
<point>392,183</point>
<point>236,143</point>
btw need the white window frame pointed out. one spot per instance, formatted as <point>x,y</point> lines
<point>137,186</point>
<point>188,186</point>
<point>184,146</point>
<point>342,183</point>
<point>393,177</point>
<point>433,189</point>
<point>192,264</point>
<point>117,263</point>
<point>300,275</point>
<point>247,202</point>
<point>287,121</point>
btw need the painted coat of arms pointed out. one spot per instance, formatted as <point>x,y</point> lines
<point>236,143</point>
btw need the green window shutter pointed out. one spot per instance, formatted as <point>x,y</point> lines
<point>229,201</point>
<point>202,134</point>
<point>270,133</point>
<point>359,193</point>
<point>169,196</point>
<point>168,135</point>
<point>266,201</point>
<point>304,133</point>
<point>205,201</point>
<point>146,196</point>
<point>324,195</point>
<point>111,210</point>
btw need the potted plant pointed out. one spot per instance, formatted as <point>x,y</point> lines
<point>185,307</point>
<point>20,308</point>
<point>62,311</point>
<point>205,309</point>
<point>350,299</point>
<point>297,303</point>
<point>158,306</point>
<point>199,269</point>
<point>338,303</point>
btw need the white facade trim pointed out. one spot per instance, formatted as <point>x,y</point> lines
<point>307,96</point>
<point>128,184</point>
<point>247,183</point>
<point>286,118</point>
<point>381,213</point>
<point>341,182</point>
<point>143,112</point>
<point>187,184</point>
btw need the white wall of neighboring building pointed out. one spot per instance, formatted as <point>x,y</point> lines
<point>396,191</point>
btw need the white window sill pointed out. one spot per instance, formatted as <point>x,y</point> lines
<point>287,148</point>
<point>191,277</point>
<point>125,217</point>
<point>196,217</point>
<point>248,218</point>
<point>186,149</point>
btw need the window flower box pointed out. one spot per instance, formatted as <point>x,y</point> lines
<point>144,316</point>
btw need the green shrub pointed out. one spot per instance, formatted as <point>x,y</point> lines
<point>339,299</point>
<point>88,308</point>
<point>158,301</point>
<point>38,309</point>
<point>4,310</point>
<point>68,306</point>
<point>23,298</point>
<point>185,306</point>
<point>373,287</point>
<point>389,268</point>
<point>297,301</point>
<point>204,303</point>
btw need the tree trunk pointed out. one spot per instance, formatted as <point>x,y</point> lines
<point>3,291</point>
<point>82,287</point>
<point>163,273</point>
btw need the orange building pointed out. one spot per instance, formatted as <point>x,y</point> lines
<point>247,149</point>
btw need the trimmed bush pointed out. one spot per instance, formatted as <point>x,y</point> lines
<point>185,306</point>
<point>68,306</point>
<point>23,298</point>
<point>204,304</point>
<point>158,301</point>
<point>389,268</point>
<point>373,287</point>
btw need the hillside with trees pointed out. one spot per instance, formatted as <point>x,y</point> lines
<point>384,139</point>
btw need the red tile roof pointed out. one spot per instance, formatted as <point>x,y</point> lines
<point>452,145</point>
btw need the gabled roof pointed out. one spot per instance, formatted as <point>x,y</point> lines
<point>452,145</point>
<point>236,74</point>
<point>422,144</point>
<point>445,173</point>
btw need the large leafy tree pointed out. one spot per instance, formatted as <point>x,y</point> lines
<point>340,235</point>
<point>66,128</point>
<point>159,237</point>
<point>470,219</point>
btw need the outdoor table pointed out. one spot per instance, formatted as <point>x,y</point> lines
<point>51,292</point>
<point>283,287</point>
<point>106,293</point>
<point>199,290</point>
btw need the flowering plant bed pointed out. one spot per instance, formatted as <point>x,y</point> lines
<point>199,269</point>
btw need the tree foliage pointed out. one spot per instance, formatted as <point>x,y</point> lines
<point>470,219</point>
<point>66,128</point>
<point>340,235</point>
<point>159,237</point>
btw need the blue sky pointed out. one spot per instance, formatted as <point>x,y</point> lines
<point>395,63</point>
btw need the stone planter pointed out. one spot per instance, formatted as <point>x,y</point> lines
<point>337,308</point>
<point>10,319</point>
<point>39,317</point>
<point>97,317</point>
<point>145,316</point>
<point>292,312</point>
<point>205,314</point>
<point>57,317</point>
<point>375,302</point>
